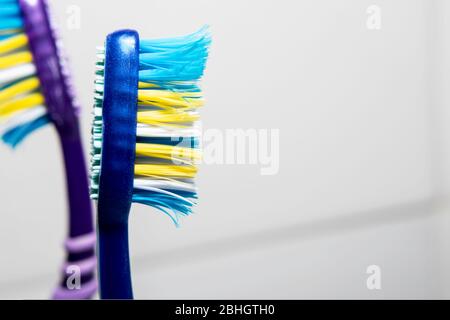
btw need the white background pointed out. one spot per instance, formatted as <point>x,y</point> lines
<point>364,152</point>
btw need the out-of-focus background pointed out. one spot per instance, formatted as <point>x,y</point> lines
<point>359,91</point>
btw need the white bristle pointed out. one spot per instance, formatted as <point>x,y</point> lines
<point>23,117</point>
<point>164,184</point>
<point>144,130</point>
<point>16,73</point>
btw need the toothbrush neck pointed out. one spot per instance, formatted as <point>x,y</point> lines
<point>80,210</point>
<point>114,261</point>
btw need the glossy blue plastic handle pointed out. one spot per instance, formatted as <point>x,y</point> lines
<point>117,163</point>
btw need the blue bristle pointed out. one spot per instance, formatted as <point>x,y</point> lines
<point>8,2</point>
<point>170,205</point>
<point>5,36</point>
<point>185,86</point>
<point>174,59</point>
<point>10,23</point>
<point>9,9</point>
<point>10,15</point>
<point>15,136</point>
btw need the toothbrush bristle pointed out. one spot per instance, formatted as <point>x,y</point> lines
<point>10,17</point>
<point>167,122</point>
<point>22,109</point>
<point>97,124</point>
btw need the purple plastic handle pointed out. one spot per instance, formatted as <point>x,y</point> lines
<point>55,83</point>
<point>82,243</point>
<point>62,110</point>
<point>86,266</point>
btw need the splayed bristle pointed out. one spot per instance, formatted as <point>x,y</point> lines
<point>167,122</point>
<point>174,59</point>
<point>22,108</point>
<point>97,124</point>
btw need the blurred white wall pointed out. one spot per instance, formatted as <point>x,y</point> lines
<point>364,150</point>
<point>441,126</point>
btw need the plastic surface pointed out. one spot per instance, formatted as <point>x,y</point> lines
<point>117,163</point>
<point>62,112</point>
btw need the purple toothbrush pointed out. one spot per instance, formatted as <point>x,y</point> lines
<point>30,31</point>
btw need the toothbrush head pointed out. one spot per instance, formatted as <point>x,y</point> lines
<point>34,85</point>
<point>145,134</point>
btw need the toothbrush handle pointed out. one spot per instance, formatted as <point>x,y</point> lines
<point>62,110</point>
<point>114,262</point>
<point>80,210</point>
<point>117,163</point>
<point>80,244</point>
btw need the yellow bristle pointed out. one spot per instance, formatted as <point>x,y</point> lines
<point>143,85</point>
<point>14,59</point>
<point>165,170</point>
<point>169,99</point>
<point>25,102</point>
<point>19,88</point>
<point>13,43</point>
<point>166,118</point>
<point>168,152</point>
